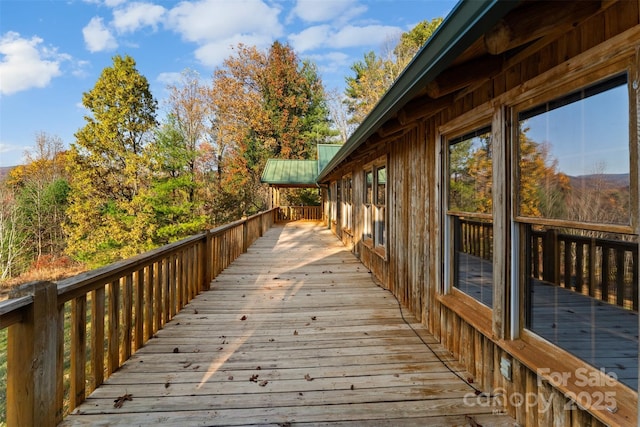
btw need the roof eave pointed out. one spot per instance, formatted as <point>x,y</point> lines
<point>465,24</point>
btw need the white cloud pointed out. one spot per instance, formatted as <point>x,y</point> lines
<point>327,10</point>
<point>114,3</point>
<point>310,38</point>
<point>168,79</point>
<point>12,154</point>
<point>137,15</point>
<point>97,37</point>
<point>25,64</point>
<point>352,36</point>
<point>215,52</point>
<point>216,25</point>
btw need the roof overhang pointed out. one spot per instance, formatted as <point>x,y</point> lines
<point>468,21</point>
<point>290,173</point>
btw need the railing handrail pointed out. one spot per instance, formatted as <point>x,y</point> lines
<point>182,269</point>
<point>88,281</point>
<point>11,310</point>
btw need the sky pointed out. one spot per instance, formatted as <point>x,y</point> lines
<point>52,51</point>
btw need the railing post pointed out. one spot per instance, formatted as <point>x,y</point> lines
<point>207,255</point>
<point>245,235</point>
<point>32,351</point>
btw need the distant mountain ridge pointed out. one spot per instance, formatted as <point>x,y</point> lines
<point>609,181</point>
<point>4,171</point>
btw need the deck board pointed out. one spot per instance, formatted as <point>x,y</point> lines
<point>323,343</point>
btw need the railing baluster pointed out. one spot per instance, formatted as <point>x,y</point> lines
<point>619,257</point>
<point>157,295</point>
<point>97,336</point>
<point>139,319</point>
<point>606,268</point>
<point>114,327</point>
<point>78,351</point>
<point>593,263</point>
<point>579,266</point>
<point>127,317</point>
<point>148,303</point>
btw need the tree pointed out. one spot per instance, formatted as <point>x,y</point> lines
<point>41,187</point>
<point>266,104</point>
<point>375,73</point>
<point>13,239</point>
<point>339,114</point>
<point>109,217</point>
<point>177,211</point>
<point>189,115</point>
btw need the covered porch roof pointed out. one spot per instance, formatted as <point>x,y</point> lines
<point>292,173</point>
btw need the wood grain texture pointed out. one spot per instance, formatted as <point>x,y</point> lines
<point>323,343</point>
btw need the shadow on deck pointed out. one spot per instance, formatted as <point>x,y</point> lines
<point>294,332</point>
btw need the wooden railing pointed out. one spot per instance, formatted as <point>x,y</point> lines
<point>475,237</point>
<point>93,322</point>
<point>602,268</point>
<point>300,213</point>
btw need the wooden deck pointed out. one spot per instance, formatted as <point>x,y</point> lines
<point>602,334</point>
<point>295,332</point>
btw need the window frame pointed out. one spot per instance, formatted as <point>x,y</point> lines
<point>375,212</point>
<point>479,119</point>
<point>347,203</point>
<point>525,343</point>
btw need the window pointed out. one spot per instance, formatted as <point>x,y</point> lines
<point>368,202</point>
<point>380,203</point>
<point>574,210</point>
<point>334,201</point>
<point>469,214</point>
<point>375,199</point>
<point>347,203</point>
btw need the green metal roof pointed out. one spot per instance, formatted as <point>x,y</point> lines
<point>326,153</point>
<point>468,21</point>
<point>290,172</point>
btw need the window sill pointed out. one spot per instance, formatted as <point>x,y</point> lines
<point>539,355</point>
<point>471,311</point>
<point>588,385</point>
<point>378,250</point>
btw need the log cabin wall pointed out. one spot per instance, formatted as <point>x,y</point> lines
<point>595,42</point>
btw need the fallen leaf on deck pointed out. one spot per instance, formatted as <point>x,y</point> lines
<point>472,422</point>
<point>121,399</point>
<point>295,332</point>
<point>258,368</point>
<point>195,311</point>
<point>254,378</point>
<point>313,317</point>
<point>308,377</point>
<point>230,378</point>
<point>167,384</point>
<point>263,383</point>
<point>243,318</point>
<point>176,350</point>
<point>187,365</point>
<point>352,387</point>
